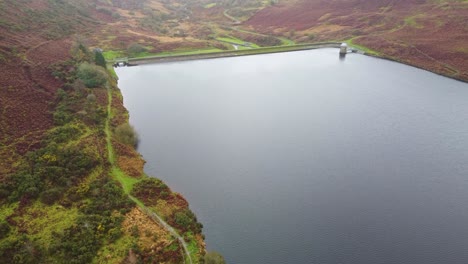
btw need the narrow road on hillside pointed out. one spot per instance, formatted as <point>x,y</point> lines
<point>153,215</point>
<point>234,20</point>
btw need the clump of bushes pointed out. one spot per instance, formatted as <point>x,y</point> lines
<point>150,190</point>
<point>136,48</point>
<point>4,229</point>
<point>214,258</point>
<point>186,221</point>
<point>91,75</point>
<point>126,134</point>
<point>20,249</point>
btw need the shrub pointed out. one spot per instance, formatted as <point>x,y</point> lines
<point>149,190</point>
<point>78,243</point>
<point>19,249</point>
<point>136,48</point>
<point>214,258</point>
<point>126,134</point>
<point>50,196</point>
<point>186,221</point>
<point>116,15</point>
<point>80,51</point>
<point>91,98</point>
<point>91,75</point>
<point>99,59</point>
<point>4,229</point>
<point>26,185</point>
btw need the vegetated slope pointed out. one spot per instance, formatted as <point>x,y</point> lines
<point>61,200</point>
<point>32,38</point>
<point>425,33</point>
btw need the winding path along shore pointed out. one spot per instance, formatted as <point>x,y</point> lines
<point>150,213</point>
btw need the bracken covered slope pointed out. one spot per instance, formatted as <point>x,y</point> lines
<point>425,33</point>
<point>62,196</point>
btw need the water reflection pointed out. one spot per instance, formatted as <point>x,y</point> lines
<point>283,162</point>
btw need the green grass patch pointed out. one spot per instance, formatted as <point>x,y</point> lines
<point>232,40</point>
<point>241,52</point>
<point>207,6</point>
<point>117,250</point>
<point>237,41</point>
<point>111,55</point>
<point>192,246</point>
<point>142,54</point>
<point>52,218</point>
<point>126,181</point>
<point>363,48</point>
<point>286,42</point>
<point>112,72</point>
<point>7,210</point>
<point>180,53</point>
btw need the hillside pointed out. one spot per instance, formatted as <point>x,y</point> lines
<point>72,187</point>
<point>424,33</point>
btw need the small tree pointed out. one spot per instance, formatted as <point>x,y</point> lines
<point>91,98</point>
<point>214,258</point>
<point>91,75</point>
<point>126,134</point>
<point>99,59</point>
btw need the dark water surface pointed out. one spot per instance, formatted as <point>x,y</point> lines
<point>302,158</point>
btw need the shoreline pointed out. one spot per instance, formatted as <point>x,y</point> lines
<point>269,50</point>
<point>230,53</point>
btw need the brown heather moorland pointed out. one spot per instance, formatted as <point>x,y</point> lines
<point>85,204</point>
<point>425,33</point>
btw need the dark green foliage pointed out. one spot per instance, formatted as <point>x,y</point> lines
<point>114,233</point>
<point>214,258</point>
<point>268,41</point>
<point>52,195</point>
<point>150,190</point>
<point>49,167</point>
<point>77,244</point>
<point>62,116</point>
<point>96,116</point>
<point>182,219</point>
<point>4,229</point>
<point>20,250</point>
<point>186,220</point>
<point>126,134</point>
<point>63,112</point>
<point>80,242</point>
<point>74,104</point>
<point>91,75</point>
<point>106,196</point>
<point>64,133</point>
<point>26,185</point>
<point>99,59</point>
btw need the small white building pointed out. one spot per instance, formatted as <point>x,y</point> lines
<point>343,48</point>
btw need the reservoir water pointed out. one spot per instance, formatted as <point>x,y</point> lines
<point>302,157</point>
